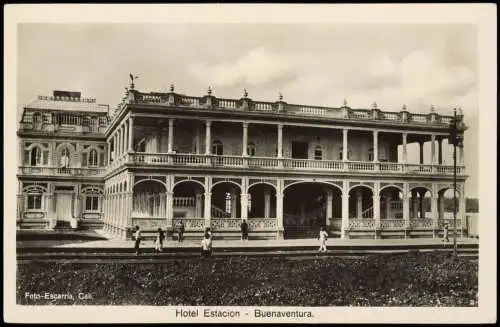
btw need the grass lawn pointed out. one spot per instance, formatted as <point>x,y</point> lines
<point>415,279</point>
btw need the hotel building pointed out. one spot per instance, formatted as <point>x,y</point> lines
<point>286,169</point>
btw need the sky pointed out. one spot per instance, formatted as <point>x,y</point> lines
<point>317,64</point>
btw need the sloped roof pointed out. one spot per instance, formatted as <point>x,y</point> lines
<point>67,104</point>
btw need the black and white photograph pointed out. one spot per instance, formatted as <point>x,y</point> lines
<point>250,163</point>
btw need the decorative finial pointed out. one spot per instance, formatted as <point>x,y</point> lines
<point>172,88</point>
<point>245,93</point>
<point>432,108</point>
<point>280,96</point>
<point>132,79</point>
<point>374,105</point>
<point>345,102</point>
<point>209,90</point>
<point>404,107</point>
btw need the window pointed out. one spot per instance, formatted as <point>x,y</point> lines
<point>228,202</point>
<point>34,202</point>
<point>94,124</point>
<point>318,154</point>
<point>217,148</point>
<point>36,155</point>
<point>251,149</point>
<point>64,158</point>
<point>92,203</point>
<point>370,154</point>
<point>93,162</point>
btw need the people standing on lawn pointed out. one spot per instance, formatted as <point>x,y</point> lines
<point>244,230</point>
<point>137,237</point>
<point>445,233</point>
<point>160,236</point>
<point>180,230</point>
<point>206,246</point>
<point>323,236</point>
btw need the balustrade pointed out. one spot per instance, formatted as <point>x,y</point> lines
<point>424,223</point>
<point>392,224</point>
<point>60,171</point>
<point>190,224</point>
<point>186,159</point>
<point>361,223</point>
<point>226,224</point>
<point>262,106</point>
<point>184,202</point>
<point>261,223</point>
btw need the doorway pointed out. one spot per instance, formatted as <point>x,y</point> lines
<point>64,201</point>
<point>300,150</point>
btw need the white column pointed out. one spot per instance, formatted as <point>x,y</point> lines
<point>131,134</point>
<point>359,204</point>
<point>245,139</point>
<point>345,209</point>
<point>115,146</point>
<point>405,136</point>
<point>329,206</point>
<point>170,135</point>
<point>125,139</point>
<point>344,145</point>
<point>434,209</point>
<point>169,196</point>
<point>207,137</point>
<point>375,146</point>
<point>244,205</point>
<point>433,149</point>
<point>376,209</point>
<point>279,211</point>
<point>267,203</point>
<point>280,140</point>
<point>207,208</point>
<point>76,206</point>
<point>406,208</point>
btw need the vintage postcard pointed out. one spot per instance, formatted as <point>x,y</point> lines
<point>250,163</point>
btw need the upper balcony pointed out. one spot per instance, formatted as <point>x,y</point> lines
<point>283,110</point>
<point>209,162</point>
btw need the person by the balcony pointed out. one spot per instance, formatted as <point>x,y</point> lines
<point>445,233</point>
<point>137,237</point>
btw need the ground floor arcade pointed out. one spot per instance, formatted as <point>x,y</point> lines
<point>276,207</point>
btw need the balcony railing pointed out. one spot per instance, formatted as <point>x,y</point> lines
<point>199,160</point>
<point>283,108</point>
<point>58,171</point>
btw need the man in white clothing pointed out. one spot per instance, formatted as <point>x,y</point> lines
<point>323,236</point>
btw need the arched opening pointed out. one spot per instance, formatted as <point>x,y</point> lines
<point>261,201</point>
<point>446,204</point>
<point>391,203</point>
<point>309,206</point>
<point>361,202</point>
<point>420,203</point>
<point>149,200</point>
<point>188,200</point>
<point>225,201</point>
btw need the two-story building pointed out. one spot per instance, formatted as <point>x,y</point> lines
<point>211,162</point>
